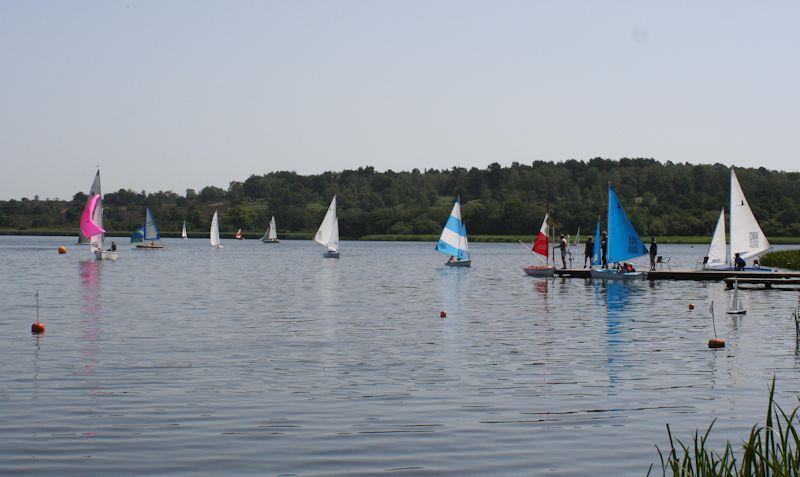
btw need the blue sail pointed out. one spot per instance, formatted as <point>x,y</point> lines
<point>597,252</point>
<point>150,227</point>
<point>453,240</point>
<point>623,241</point>
<point>465,244</point>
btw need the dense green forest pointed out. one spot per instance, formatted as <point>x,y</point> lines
<point>661,199</point>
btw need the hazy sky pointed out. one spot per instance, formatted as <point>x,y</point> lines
<point>167,94</point>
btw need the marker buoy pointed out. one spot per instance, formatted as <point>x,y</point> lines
<point>716,343</point>
<point>37,328</point>
<point>442,314</point>
<point>62,250</point>
<point>691,306</point>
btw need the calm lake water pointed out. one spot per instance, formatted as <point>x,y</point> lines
<point>270,360</point>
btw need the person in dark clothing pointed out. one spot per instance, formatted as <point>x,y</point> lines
<point>113,247</point>
<point>604,249</point>
<point>653,253</point>
<point>738,262</point>
<point>562,244</point>
<point>588,252</point>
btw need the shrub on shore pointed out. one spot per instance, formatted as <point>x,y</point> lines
<point>782,258</point>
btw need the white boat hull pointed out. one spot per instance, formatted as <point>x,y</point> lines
<point>459,263</point>
<point>608,274</point>
<point>737,312</point>
<point>540,271</point>
<point>105,255</point>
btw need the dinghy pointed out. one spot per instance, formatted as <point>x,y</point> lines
<point>453,241</point>
<point>623,243</point>
<point>239,235</point>
<point>214,233</point>
<point>541,248</point>
<point>736,307</point>
<point>90,227</point>
<point>328,232</point>
<point>184,236</point>
<point>271,235</point>
<point>98,217</point>
<point>151,234</point>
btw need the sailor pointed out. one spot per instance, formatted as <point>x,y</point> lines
<point>113,247</point>
<point>563,246</point>
<point>738,262</point>
<point>588,252</point>
<point>604,249</point>
<point>653,253</point>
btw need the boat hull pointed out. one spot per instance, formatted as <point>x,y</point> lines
<point>459,263</point>
<point>270,241</point>
<point>608,274</point>
<point>105,255</point>
<point>330,254</point>
<point>540,271</point>
<point>745,269</point>
<point>736,312</point>
<point>147,246</point>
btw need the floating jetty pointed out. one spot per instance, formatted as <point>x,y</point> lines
<point>696,275</point>
<point>776,283</point>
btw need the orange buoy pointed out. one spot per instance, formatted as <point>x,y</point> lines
<point>442,314</point>
<point>62,250</point>
<point>691,306</point>
<point>37,328</point>
<point>716,343</point>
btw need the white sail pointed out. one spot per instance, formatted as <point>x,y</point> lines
<point>747,238</point>
<point>329,229</point>
<point>215,230</point>
<point>183,231</point>
<point>736,307</point>
<point>98,212</point>
<point>272,233</point>
<point>718,250</point>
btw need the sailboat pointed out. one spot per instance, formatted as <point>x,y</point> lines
<point>541,247</point>
<point>151,233</point>
<point>98,217</point>
<point>92,228</point>
<point>746,237</point>
<point>271,235</point>
<point>184,236</point>
<point>453,241</point>
<point>328,232</point>
<point>623,242</point>
<point>736,307</point>
<point>597,253</point>
<point>239,235</point>
<point>214,233</point>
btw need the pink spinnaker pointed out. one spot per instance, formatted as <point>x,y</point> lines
<point>88,227</point>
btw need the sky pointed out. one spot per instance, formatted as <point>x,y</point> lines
<point>170,95</point>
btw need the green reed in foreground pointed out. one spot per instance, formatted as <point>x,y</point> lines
<point>770,450</point>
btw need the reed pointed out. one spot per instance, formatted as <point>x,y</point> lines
<point>770,450</point>
<point>782,258</point>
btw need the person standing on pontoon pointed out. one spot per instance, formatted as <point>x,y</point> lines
<point>588,251</point>
<point>653,253</point>
<point>562,244</point>
<point>604,249</point>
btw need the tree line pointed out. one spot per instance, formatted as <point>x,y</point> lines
<point>660,198</point>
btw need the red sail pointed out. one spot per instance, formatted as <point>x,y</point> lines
<point>542,243</point>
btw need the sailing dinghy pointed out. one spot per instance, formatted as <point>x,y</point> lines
<point>151,234</point>
<point>328,232</point>
<point>239,235</point>
<point>98,217</point>
<point>184,236</point>
<point>214,233</point>
<point>453,241</point>
<point>541,248</point>
<point>623,242</point>
<point>736,306</point>
<point>91,226</point>
<point>271,235</point>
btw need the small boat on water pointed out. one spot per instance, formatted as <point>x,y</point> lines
<point>271,235</point>
<point>541,247</point>
<point>328,233</point>
<point>453,241</point>
<point>239,235</point>
<point>184,236</point>
<point>623,243</point>
<point>91,227</point>
<point>98,217</point>
<point>150,233</point>
<point>736,307</point>
<point>214,232</point>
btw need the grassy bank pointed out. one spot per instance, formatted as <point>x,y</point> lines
<point>783,258</point>
<point>770,450</point>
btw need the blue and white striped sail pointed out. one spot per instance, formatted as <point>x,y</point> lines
<point>454,236</point>
<point>150,227</point>
<point>623,241</point>
<point>597,252</point>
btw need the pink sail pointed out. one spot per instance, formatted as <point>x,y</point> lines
<point>88,227</point>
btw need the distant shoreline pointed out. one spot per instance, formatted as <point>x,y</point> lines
<point>672,239</point>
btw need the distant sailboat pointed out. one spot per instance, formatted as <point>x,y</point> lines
<point>151,233</point>
<point>91,227</point>
<point>184,236</point>
<point>541,247</point>
<point>239,235</point>
<point>453,241</point>
<point>718,250</point>
<point>328,232</point>
<point>98,214</point>
<point>597,253</point>
<point>736,306</point>
<point>214,233</point>
<point>623,241</point>
<point>138,235</point>
<point>271,235</point>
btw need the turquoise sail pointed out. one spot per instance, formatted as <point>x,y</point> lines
<point>597,252</point>
<point>137,235</point>
<point>623,241</point>
<point>453,240</point>
<point>150,227</point>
